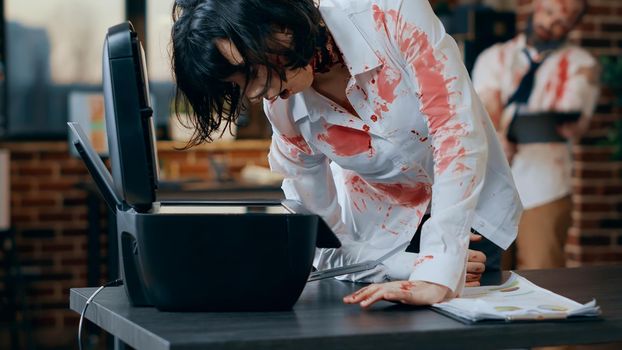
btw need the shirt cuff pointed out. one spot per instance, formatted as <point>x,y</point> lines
<point>448,270</point>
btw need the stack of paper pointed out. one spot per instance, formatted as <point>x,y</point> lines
<point>516,299</point>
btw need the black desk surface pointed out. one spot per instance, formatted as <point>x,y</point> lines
<point>321,321</point>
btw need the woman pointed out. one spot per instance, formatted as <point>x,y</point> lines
<point>375,124</point>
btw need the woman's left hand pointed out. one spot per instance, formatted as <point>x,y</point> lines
<point>406,292</point>
<point>476,264</point>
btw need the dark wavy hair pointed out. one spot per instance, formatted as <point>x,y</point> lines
<point>200,69</point>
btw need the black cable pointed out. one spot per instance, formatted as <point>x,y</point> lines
<point>114,283</point>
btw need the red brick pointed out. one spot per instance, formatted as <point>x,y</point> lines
<point>588,42</point>
<point>74,232</point>
<point>34,170</point>
<point>39,201</point>
<point>21,156</point>
<point>595,207</point>
<point>612,27</point>
<point>48,216</point>
<point>73,262</point>
<point>595,241</point>
<point>21,216</point>
<point>57,185</point>
<point>54,155</point>
<point>74,170</point>
<point>600,10</point>
<point>595,173</point>
<point>79,201</point>
<point>601,257</point>
<point>587,27</point>
<point>18,185</point>
<point>57,247</point>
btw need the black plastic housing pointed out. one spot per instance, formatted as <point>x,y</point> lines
<point>195,255</point>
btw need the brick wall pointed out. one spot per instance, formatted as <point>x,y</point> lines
<point>49,214</point>
<point>596,233</point>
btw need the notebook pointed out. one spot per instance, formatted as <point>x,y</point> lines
<point>515,300</point>
<point>530,127</point>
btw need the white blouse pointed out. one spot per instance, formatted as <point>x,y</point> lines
<point>423,143</point>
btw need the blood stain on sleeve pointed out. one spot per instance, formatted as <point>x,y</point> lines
<point>434,92</point>
<point>421,260</point>
<point>449,151</point>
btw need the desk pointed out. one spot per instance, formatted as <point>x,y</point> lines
<point>321,321</point>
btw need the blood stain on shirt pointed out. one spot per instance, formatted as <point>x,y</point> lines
<point>420,261</point>
<point>433,86</point>
<point>298,142</point>
<point>406,195</point>
<point>346,142</point>
<point>388,80</point>
<point>562,79</point>
<point>448,152</point>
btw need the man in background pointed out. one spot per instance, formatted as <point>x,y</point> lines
<point>538,71</point>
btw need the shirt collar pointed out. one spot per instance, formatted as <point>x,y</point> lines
<point>357,52</point>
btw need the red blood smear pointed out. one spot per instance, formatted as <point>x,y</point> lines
<point>298,142</point>
<point>407,286</point>
<point>416,49</point>
<point>433,86</point>
<point>422,259</point>
<point>446,161</point>
<point>409,196</point>
<point>346,142</point>
<point>562,79</point>
<point>388,80</point>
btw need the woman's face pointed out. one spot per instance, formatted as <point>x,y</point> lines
<point>296,80</point>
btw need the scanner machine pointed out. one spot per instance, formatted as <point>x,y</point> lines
<point>189,255</point>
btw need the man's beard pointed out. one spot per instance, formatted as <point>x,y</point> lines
<point>539,44</point>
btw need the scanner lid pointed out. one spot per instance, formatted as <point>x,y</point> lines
<point>129,118</point>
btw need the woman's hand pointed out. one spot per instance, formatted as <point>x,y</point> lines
<point>476,264</point>
<point>419,292</point>
<point>406,292</point>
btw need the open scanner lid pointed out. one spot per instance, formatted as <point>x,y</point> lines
<point>129,118</point>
